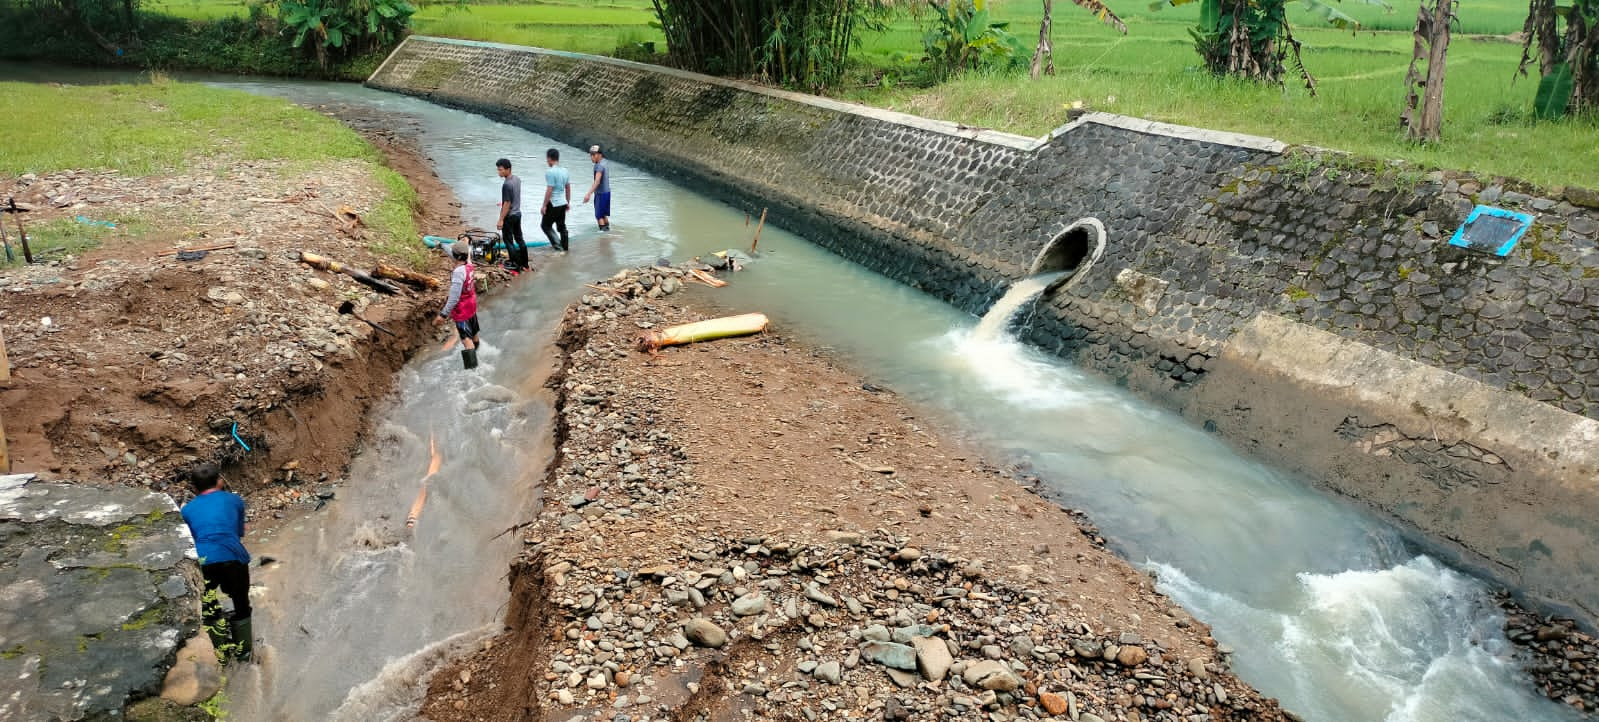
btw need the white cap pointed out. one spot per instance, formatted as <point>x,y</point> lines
<point>594,149</point>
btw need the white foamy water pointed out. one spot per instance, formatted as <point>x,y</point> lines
<point>998,319</point>
<point>1415,642</point>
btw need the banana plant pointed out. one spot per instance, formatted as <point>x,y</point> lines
<point>1566,39</point>
<point>339,26</point>
<point>1253,39</point>
<point>966,37</point>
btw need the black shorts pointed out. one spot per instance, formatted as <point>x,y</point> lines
<point>467,328</point>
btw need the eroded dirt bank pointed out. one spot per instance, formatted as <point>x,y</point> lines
<point>147,361</point>
<point>745,528</point>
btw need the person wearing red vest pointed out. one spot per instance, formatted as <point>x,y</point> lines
<point>461,307</point>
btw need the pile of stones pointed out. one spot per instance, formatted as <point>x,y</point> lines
<point>660,604</point>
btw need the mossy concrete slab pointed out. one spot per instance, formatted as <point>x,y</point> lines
<point>98,589</point>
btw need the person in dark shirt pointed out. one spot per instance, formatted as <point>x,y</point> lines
<point>510,223</point>
<point>216,519</point>
<point>601,191</point>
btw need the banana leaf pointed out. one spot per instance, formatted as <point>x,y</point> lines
<point>1554,93</point>
<point>710,330</point>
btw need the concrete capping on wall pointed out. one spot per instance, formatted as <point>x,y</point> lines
<point>985,135</point>
<point>1367,410</point>
<point>1184,132</point>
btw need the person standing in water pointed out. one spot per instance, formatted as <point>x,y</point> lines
<point>600,192</point>
<point>510,222</point>
<point>461,306</point>
<point>557,198</point>
<point>216,520</point>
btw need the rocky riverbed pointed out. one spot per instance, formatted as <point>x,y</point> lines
<point>745,528</point>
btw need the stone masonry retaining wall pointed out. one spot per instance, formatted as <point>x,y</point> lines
<point>1219,247</point>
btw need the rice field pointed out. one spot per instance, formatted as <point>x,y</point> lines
<point>1152,72</point>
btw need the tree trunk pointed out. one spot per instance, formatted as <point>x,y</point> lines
<point>1045,54</point>
<point>1423,116</point>
<point>129,33</point>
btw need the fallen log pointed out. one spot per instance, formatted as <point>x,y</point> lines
<point>315,261</point>
<point>710,330</point>
<point>384,270</point>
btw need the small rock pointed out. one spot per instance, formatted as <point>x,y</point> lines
<point>705,633</point>
<point>196,676</point>
<point>890,654</point>
<point>815,594</point>
<point>1053,703</point>
<point>1132,656</point>
<point>829,672</point>
<point>844,537</point>
<point>989,674</point>
<point>932,657</point>
<point>907,555</point>
<point>749,605</point>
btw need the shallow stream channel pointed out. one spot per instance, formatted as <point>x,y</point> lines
<point>1326,607</point>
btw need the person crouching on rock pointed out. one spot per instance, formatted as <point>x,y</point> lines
<point>216,519</point>
<point>462,304</point>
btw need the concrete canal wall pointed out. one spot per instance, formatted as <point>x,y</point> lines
<point>1303,304</point>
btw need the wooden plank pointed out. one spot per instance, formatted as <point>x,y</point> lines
<point>5,375</point>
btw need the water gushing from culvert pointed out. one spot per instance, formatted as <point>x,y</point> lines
<point>998,318</point>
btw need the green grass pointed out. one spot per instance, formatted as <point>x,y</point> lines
<point>61,237</point>
<point>159,127</point>
<point>394,220</point>
<point>162,127</point>
<point>1152,73</point>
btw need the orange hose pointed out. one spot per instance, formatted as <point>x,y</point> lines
<point>434,462</point>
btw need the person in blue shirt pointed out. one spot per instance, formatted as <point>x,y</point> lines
<point>557,198</point>
<point>216,519</point>
<point>601,191</point>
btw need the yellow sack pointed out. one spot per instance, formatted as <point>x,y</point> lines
<point>726,327</point>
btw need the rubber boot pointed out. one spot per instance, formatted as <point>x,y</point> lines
<point>469,358</point>
<point>243,640</point>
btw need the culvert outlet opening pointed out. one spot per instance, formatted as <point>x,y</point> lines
<point>1071,252</point>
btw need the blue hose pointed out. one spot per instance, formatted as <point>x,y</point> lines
<point>236,437</point>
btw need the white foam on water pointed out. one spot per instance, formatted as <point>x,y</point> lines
<point>396,692</point>
<point>998,318</point>
<point>1415,642</point>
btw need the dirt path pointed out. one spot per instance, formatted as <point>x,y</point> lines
<point>130,364</point>
<point>743,528</point>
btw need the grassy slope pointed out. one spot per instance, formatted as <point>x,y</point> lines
<point>1152,72</point>
<point>159,127</point>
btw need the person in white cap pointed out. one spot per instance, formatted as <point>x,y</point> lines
<point>601,191</point>
<point>461,306</point>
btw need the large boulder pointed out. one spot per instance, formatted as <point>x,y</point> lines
<point>100,591</point>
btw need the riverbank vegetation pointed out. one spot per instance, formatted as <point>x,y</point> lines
<point>166,128</point>
<point>308,40</point>
<point>1153,71</point>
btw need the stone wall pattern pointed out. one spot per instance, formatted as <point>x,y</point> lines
<point>1207,234</point>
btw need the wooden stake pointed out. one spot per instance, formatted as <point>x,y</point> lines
<point>27,254</point>
<point>215,247</point>
<point>758,231</point>
<point>5,375</point>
